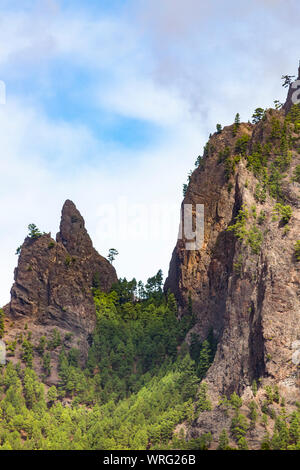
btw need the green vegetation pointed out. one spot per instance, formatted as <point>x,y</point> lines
<point>223,441</point>
<point>268,161</point>
<point>1,323</point>
<point>258,115</point>
<point>199,163</point>
<point>27,352</point>
<point>255,239</point>
<point>203,402</point>
<point>33,231</point>
<point>112,253</point>
<point>55,340</point>
<point>237,122</point>
<point>68,260</point>
<point>241,145</point>
<point>138,384</point>
<point>297,174</point>
<point>141,379</point>
<point>223,155</point>
<point>285,212</point>
<point>297,250</point>
<point>252,236</point>
<point>18,250</point>
<point>219,128</point>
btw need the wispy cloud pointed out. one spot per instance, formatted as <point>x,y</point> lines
<point>76,72</point>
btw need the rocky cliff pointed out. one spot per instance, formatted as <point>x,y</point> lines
<point>53,281</point>
<point>244,283</point>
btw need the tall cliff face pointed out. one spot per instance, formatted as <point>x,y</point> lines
<point>53,281</point>
<point>245,282</point>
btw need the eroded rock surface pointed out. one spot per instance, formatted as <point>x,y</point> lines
<point>53,281</point>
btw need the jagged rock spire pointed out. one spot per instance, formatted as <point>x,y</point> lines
<point>53,280</point>
<point>73,234</point>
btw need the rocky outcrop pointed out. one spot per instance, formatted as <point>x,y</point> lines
<point>74,237</point>
<point>244,283</point>
<point>53,280</point>
<point>293,93</point>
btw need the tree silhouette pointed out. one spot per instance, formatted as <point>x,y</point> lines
<point>112,254</point>
<point>287,80</point>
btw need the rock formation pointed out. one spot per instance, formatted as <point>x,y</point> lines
<point>53,281</point>
<point>244,283</point>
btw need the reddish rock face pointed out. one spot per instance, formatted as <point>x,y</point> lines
<point>53,279</point>
<point>74,237</point>
<point>249,298</point>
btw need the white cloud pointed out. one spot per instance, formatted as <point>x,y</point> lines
<point>174,64</point>
<point>33,190</point>
<point>140,98</point>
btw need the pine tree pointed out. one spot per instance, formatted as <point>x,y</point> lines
<point>242,443</point>
<point>258,115</point>
<point>52,394</point>
<point>195,347</point>
<point>223,440</point>
<point>204,359</point>
<point>254,387</point>
<point>33,231</point>
<point>112,253</point>
<point>237,122</point>
<point>253,413</point>
<point>203,403</point>
<point>47,363</point>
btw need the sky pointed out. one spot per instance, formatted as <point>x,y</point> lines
<point>109,103</point>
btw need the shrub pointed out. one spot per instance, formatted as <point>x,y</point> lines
<point>255,238</point>
<point>55,340</point>
<point>223,155</point>
<point>235,401</point>
<point>47,363</point>
<point>27,350</point>
<point>258,115</point>
<point>239,426</point>
<point>41,346</point>
<point>297,250</point>
<point>33,231</point>
<point>285,212</point>
<point>223,441</point>
<point>296,176</point>
<point>242,144</point>
<point>204,404</point>
<point>68,260</point>
<point>261,217</point>
<point>239,228</point>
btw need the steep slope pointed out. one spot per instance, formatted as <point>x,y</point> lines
<point>245,281</point>
<point>53,283</point>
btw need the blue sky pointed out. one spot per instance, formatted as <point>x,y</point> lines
<point>110,102</point>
